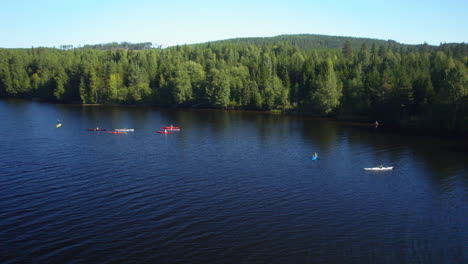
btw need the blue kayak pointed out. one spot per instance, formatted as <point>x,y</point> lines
<point>314,157</point>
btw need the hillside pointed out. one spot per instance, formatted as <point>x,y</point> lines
<point>310,41</point>
<point>303,41</point>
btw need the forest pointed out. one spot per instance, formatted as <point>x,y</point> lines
<point>419,86</point>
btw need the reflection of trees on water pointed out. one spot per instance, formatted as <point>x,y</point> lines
<point>205,121</point>
<point>197,125</point>
<point>219,124</point>
<point>444,158</point>
<point>323,133</point>
<point>445,164</point>
<point>95,116</point>
<point>273,127</point>
<point>111,117</point>
<point>129,117</point>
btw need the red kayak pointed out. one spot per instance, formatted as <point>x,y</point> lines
<point>117,132</point>
<point>96,129</point>
<point>163,132</point>
<point>170,127</point>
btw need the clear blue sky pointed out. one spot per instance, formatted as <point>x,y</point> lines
<point>52,23</point>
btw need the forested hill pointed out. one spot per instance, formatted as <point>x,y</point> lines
<point>310,41</point>
<point>393,83</point>
<point>303,41</point>
<point>122,45</point>
<point>114,46</point>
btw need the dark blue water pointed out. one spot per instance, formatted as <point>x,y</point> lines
<point>230,187</point>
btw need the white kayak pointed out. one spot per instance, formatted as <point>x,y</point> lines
<point>379,169</point>
<point>124,129</point>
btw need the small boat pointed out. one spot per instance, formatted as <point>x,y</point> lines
<point>315,156</point>
<point>117,132</point>
<point>172,128</point>
<point>96,129</point>
<point>59,125</point>
<point>124,129</point>
<point>378,168</point>
<point>163,132</point>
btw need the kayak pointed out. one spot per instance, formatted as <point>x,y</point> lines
<point>163,132</point>
<point>117,132</point>
<point>124,129</point>
<point>378,168</point>
<point>58,125</point>
<point>96,129</point>
<point>314,157</point>
<point>170,127</point>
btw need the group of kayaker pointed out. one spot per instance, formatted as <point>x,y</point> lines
<point>166,129</point>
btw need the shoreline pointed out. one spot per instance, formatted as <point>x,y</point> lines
<point>356,121</point>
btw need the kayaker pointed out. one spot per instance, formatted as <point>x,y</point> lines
<point>380,166</point>
<point>376,124</point>
<point>315,154</point>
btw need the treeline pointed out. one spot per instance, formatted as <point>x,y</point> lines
<point>392,83</point>
<point>310,41</point>
<point>122,45</point>
<point>114,46</point>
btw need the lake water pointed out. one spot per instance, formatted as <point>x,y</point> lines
<point>230,187</point>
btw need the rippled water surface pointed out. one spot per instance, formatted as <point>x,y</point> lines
<point>230,187</point>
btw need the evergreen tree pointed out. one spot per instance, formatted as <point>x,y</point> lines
<point>218,89</point>
<point>329,91</point>
<point>348,50</point>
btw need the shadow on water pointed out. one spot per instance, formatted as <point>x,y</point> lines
<point>443,158</point>
<point>323,132</point>
<point>241,181</point>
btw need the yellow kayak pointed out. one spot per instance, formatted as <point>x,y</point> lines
<point>58,125</point>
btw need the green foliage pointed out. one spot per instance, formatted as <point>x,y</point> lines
<point>137,84</point>
<point>305,41</point>
<point>326,96</point>
<point>323,75</point>
<point>218,90</point>
<point>347,50</point>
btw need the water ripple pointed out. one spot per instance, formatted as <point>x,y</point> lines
<point>229,188</point>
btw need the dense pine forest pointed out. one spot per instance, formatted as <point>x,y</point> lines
<point>422,86</point>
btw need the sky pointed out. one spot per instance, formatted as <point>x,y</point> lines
<point>51,23</point>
